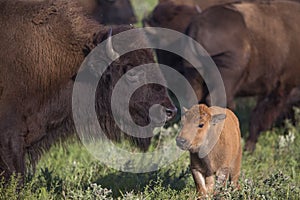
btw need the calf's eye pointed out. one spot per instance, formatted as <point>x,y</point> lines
<point>200,125</point>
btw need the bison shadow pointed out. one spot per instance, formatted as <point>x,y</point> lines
<point>122,182</point>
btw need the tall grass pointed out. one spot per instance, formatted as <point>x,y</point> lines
<point>69,172</point>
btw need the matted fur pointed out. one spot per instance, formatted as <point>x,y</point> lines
<point>43,44</point>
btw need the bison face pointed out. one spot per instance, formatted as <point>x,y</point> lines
<point>197,122</point>
<point>146,95</point>
<point>131,70</point>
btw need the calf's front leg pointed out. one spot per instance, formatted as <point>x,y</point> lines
<point>199,180</point>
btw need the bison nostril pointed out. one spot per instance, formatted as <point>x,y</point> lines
<point>171,113</point>
<point>181,141</point>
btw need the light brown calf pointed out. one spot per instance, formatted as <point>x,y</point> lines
<point>212,135</point>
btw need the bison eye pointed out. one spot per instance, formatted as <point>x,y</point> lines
<point>132,76</point>
<point>200,125</point>
<point>135,76</point>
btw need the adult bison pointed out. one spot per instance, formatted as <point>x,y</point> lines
<point>115,12</point>
<point>177,15</point>
<point>256,48</point>
<point>43,44</point>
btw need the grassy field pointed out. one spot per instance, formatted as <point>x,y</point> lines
<point>68,171</point>
<point>271,172</point>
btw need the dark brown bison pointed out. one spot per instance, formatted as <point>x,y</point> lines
<point>177,15</point>
<point>174,15</point>
<point>43,44</point>
<point>115,12</point>
<point>225,157</point>
<point>255,46</point>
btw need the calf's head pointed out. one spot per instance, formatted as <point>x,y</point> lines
<point>197,123</point>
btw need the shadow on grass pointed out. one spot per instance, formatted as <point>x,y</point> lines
<point>121,182</point>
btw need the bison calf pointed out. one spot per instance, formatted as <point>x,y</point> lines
<point>212,136</point>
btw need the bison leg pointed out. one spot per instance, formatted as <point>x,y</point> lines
<point>265,113</point>
<point>12,151</point>
<point>222,176</point>
<point>210,183</point>
<point>288,112</point>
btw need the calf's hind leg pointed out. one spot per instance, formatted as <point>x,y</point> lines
<point>223,175</point>
<point>236,169</point>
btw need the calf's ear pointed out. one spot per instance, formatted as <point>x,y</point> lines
<point>217,118</point>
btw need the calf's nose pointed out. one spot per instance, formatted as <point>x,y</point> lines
<point>181,142</point>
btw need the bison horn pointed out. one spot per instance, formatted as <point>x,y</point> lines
<point>111,53</point>
<point>198,9</point>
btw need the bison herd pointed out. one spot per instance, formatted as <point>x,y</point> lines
<point>255,45</point>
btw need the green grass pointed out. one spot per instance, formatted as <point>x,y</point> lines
<point>68,171</point>
<point>142,8</point>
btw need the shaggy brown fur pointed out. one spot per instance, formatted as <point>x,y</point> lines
<point>41,49</point>
<point>177,15</point>
<point>224,159</point>
<point>43,44</point>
